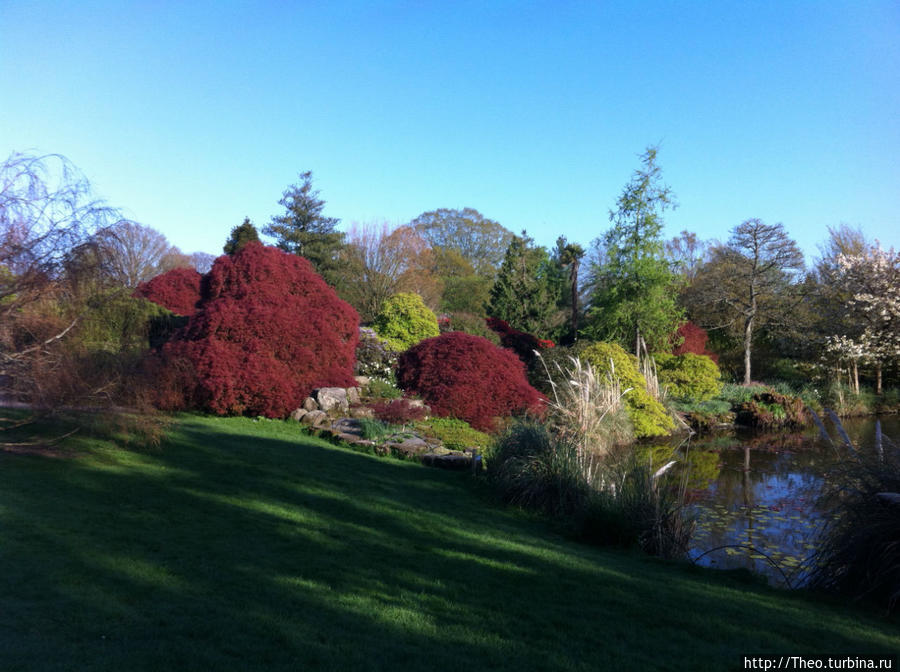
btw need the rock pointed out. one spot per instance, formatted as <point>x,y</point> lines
<point>453,461</point>
<point>332,398</point>
<point>348,426</point>
<point>362,412</point>
<point>298,414</point>
<point>411,447</point>
<point>310,404</point>
<point>353,395</point>
<point>315,418</point>
<point>362,381</point>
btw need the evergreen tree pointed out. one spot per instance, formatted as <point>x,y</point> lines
<point>240,236</point>
<point>305,231</point>
<point>634,291</point>
<point>526,291</point>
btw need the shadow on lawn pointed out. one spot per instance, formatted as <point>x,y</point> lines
<point>229,551</point>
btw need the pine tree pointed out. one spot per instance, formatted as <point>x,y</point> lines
<point>305,231</point>
<point>526,292</point>
<point>240,236</point>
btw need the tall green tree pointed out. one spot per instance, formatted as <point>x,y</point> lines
<point>634,292</point>
<point>526,292</point>
<point>241,235</point>
<point>304,230</point>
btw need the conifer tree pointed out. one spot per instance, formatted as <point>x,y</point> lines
<point>240,236</point>
<point>526,293</point>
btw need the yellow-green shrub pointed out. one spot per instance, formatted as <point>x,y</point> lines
<point>648,416</point>
<point>404,320</point>
<point>688,376</point>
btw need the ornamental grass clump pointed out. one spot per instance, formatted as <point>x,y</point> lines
<point>648,416</point>
<point>859,555</point>
<point>586,408</point>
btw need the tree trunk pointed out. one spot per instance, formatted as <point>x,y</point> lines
<point>575,298</point>
<point>878,378</point>
<point>748,337</point>
<point>855,378</point>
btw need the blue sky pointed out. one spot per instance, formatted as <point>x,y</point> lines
<point>191,115</point>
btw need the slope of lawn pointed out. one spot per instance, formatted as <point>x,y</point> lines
<point>245,545</point>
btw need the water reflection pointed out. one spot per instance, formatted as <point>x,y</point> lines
<point>756,496</point>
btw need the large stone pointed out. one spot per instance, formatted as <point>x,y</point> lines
<point>298,414</point>
<point>362,381</point>
<point>362,412</point>
<point>315,418</point>
<point>348,426</point>
<point>310,404</point>
<point>412,447</point>
<point>332,399</point>
<point>353,395</point>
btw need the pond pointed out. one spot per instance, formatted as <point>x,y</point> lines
<point>755,496</point>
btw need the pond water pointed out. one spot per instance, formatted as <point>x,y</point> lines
<point>755,496</point>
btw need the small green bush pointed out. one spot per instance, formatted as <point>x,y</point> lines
<point>470,323</point>
<point>404,320</point>
<point>383,388</point>
<point>648,416</point>
<point>688,376</point>
<point>455,434</point>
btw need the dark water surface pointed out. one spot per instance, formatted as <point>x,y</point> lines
<point>756,497</point>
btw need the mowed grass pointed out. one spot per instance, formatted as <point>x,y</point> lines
<point>242,545</point>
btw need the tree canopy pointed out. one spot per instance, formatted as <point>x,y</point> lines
<point>633,290</point>
<point>482,242</point>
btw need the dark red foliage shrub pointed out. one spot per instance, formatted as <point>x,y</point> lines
<point>693,339</point>
<point>398,411</point>
<point>177,290</point>
<point>267,332</point>
<point>520,342</point>
<point>467,377</point>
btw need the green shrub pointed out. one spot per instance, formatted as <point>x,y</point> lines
<point>688,376</point>
<point>470,323</point>
<point>404,320</point>
<point>383,388</point>
<point>455,434</point>
<point>738,394</point>
<point>648,416</point>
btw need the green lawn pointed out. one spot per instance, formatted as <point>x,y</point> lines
<point>243,545</point>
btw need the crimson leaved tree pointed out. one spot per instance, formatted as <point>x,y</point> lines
<point>467,377</point>
<point>268,330</point>
<point>177,290</point>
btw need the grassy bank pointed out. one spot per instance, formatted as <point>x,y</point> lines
<point>242,545</point>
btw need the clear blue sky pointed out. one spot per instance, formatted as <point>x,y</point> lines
<point>191,115</point>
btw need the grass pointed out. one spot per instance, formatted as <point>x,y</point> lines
<point>246,545</point>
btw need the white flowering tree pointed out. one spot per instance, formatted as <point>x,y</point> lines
<point>871,278</point>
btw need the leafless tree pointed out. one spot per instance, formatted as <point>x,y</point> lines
<point>47,216</point>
